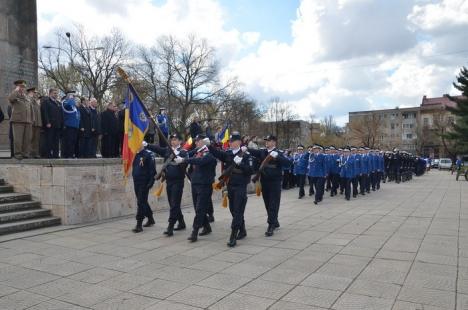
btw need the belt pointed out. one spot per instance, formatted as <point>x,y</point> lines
<point>271,166</point>
<point>236,171</point>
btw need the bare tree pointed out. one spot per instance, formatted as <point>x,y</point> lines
<point>366,130</point>
<point>85,63</point>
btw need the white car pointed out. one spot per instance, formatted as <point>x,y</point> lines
<point>445,163</point>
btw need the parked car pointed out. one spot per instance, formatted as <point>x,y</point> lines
<point>435,163</point>
<point>445,163</point>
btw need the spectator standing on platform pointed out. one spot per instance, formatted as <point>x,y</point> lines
<point>85,134</point>
<point>95,127</point>
<point>36,122</point>
<point>21,120</point>
<point>52,123</point>
<point>120,130</point>
<point>149,136</point>
<point>163,123</point>
<point>71,124</point>
<point>195,128</point>
<point>109,131</point>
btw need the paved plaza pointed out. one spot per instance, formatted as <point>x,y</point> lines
<point>404,247</point>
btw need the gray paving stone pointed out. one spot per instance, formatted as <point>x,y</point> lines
<point>227,282</point>
<point>169,305</point>
<point>6,290</point>
<point>374,289</point>
<point>404,305</point>
<point>126,282</point>
<point>180,274</point>
<point>267,289</point>
<point>238,301</point>
<point>58,287</point>
<point>326,281</point>
<point>21,300</point>
<point>284,275</point>
<point>312,296</point>
<point>285,305</point>
<point>89,296</point>
<point>428,296</point>
<point>55,305</point>
<point>95,275</point>
<point>198,296</point>
<point>359,302</point>
<point>158,288</point>
<point>126,301</point>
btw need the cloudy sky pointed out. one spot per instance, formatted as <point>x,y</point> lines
<point>324,57</point>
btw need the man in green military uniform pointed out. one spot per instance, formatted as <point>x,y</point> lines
<point>21,120</point>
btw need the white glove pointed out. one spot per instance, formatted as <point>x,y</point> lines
<point>144,143</point>
<point>274,154</point>
<point>244,149</point>
<point>179,160</point>
<point>237,160</point>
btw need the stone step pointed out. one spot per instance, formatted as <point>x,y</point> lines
<point>6,189</point>
<point>23,215</point>
<point>19,206</point>
<point>13,197</point>
<point>12,227</point>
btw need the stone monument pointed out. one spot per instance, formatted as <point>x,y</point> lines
<point>18,51</point>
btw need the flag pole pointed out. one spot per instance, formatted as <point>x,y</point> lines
<point>126,78</point>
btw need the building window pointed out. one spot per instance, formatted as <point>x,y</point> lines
<point>409,136</point>
<point>426,121</point>
<point>392,125</point>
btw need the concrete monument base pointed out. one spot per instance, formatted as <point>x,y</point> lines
<point>81,190</point>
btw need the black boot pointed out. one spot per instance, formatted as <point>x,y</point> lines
<point>206,230</point>
<point>194,236</point>
<point>242,233</point>
<point>138,228</point>
<point>150,221</point>
<point>211,218</point>
<point>270,230</point>
<point>181,225</point>
<point>170,230</point>
<point>232,239</point>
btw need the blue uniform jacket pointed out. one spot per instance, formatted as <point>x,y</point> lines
<point>347,166</point>
<point>301,162</point>
<point>365,164</point>
<point>71,115</point>
<point>163,123</point>
<point>144,168</point>
<point>317,165</point>
<point>242,172</point>
<point>334,164</point>
<point>203,169</point>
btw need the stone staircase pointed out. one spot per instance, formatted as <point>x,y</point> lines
<point>18,212</point>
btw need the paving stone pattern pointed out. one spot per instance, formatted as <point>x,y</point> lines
<point>404,247</point>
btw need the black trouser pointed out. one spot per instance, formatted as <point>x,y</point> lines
<point>355,182</point>
<point>271,193</point>
<point>174,190</point>
<point>328,182</point>
<point>300,183</point>
<point>286,179</point>
<point>373,180</point>
<point>292,180</point>
<point>141,192</point>
<point>347,187</point>
<point>94,143</point>
<point>397,175</point>
<point>237,195</point>
<point>201,196</point>
<point>85,147</point>
<point>52,142</point>
<point>162,141</point>
<point>70,136</point>
<point>363,183</point>
<point>311,185</point>
<point>319,184</point>
<point>108,146</point>
<point>335,182</point>
<point>210,208</point>
<point>379,177</point>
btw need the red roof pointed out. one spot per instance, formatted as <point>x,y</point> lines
<point>444,101</point>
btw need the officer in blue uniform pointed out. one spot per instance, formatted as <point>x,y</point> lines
<point>364,171</point>
<point>309,178</point>
<point>346,163</point>
<point>318,171</point>
<point>175,176</point>
<point>380,169</point>
<point>203,171</point>
<point>143,173</point>
<point>270,179</point>
<point>301,160</point>
<point>326,152</point>
<point>334,170</point>
<point>163,124</point>
<point>357,170</point>
<point>396,165</point>
<point>373,170</point>
<point>242,167</point>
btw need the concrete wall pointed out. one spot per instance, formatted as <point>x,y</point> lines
<point>18,51</point>
<point>82,190</point>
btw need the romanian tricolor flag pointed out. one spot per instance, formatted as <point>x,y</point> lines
<point>225,137</point>
<point>136,125</point>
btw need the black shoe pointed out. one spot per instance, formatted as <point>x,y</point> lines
<point>137,229</point>
<point>270,230</point>
<point>194,236</point>
<point>232,239</point>
<point>211,218</point>
<point>332,194</point>
<point>170,230</point>
<point>150,222</point>
<point>181,225</point>
<point>347,198</point>
<point>206,230</point>
<point>242,232</point>
<point>315,202</point>
<point>300,196</point>
<point>354,195</point>
<point>341,193</point>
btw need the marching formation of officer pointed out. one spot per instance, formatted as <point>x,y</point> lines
<point>350,170</point>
